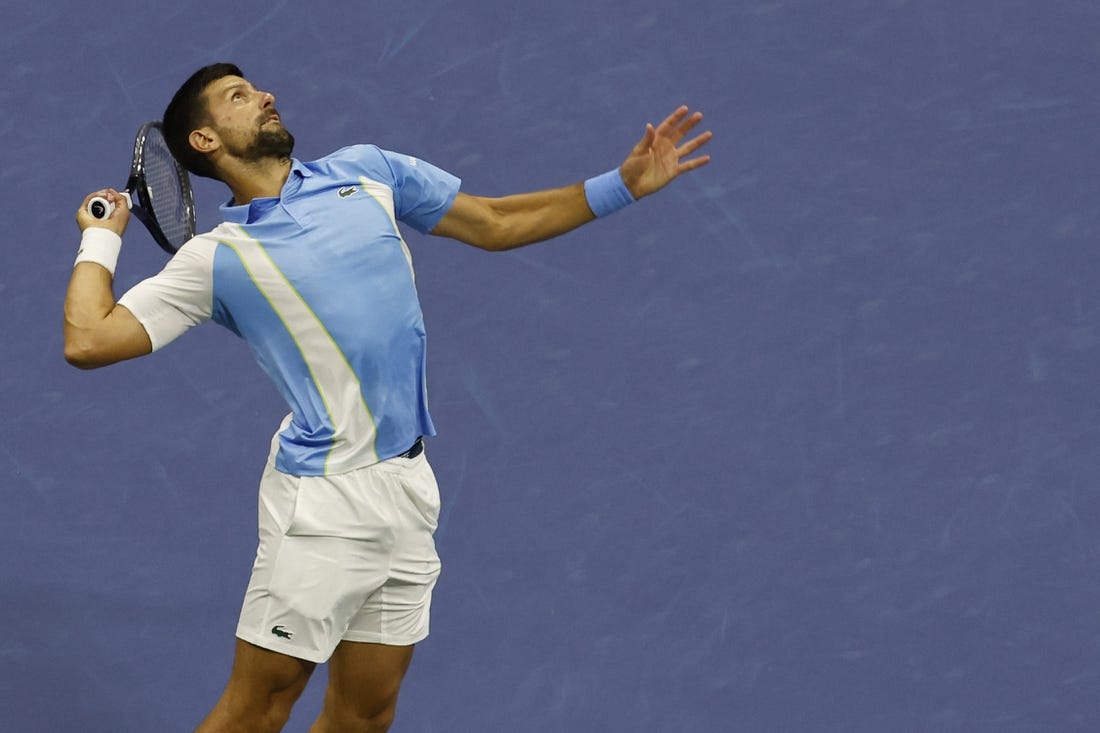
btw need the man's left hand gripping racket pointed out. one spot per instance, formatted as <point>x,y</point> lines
<point>158,191</point>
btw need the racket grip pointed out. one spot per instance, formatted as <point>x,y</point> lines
<point>101,208</point>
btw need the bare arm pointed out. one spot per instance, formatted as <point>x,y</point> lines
<point>97,331</point>
<point>498,224</point>
<point>514,221</point>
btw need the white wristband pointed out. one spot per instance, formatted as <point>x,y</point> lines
<point>100,246</point>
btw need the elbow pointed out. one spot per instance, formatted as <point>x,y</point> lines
<point>489,238</point>
<point>80,358</point>
<point>497,231</point>
<point>82,354</point>
<point>497,237</point>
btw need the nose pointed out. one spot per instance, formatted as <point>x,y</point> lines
<point>267,99</point>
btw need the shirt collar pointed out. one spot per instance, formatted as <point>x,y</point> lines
<point>246,213</point>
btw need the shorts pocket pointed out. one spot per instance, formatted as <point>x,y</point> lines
<point>422,492</point>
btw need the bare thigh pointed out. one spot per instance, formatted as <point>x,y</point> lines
<point>263,687</point>
<point>363,685</point>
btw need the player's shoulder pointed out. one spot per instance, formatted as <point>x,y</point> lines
<point>199,250</point>
<point>360,154</point>
<point>355,160</point>
<point>201,243</point>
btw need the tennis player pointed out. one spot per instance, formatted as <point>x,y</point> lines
<point>309,267</point>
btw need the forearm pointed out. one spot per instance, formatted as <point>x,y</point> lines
<point>527,218</point>
<point>88,303</point>
<point>97,331</point>
<point>507,222</point>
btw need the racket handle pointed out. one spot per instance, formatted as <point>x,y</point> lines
<point>101,208</point>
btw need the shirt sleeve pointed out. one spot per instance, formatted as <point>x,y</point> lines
<point>178,297</point>
<point>422,192</point>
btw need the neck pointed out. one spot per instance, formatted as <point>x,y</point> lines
<point>256,179</point>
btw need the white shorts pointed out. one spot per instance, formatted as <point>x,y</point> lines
<point>344,557</point>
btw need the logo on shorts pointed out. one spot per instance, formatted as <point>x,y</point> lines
<point>281,632</point>
<point>347,191</point>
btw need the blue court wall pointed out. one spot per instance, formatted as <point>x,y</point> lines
<point>804,443</point>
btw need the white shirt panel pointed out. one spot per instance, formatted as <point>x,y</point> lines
<point>177,298</point>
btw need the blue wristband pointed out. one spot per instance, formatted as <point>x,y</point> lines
<point>606,193</point>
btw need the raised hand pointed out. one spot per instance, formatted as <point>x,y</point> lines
<point>118,219</point>
<point>662,155</point>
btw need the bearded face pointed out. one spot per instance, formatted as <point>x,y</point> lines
<point>268,139</point>
<point>272,141</point>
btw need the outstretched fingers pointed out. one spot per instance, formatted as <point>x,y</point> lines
<point>695,143</point>
<point>664,152</point>
<point>668,126</point>
<point>677,125</point>
<point>692,163</point>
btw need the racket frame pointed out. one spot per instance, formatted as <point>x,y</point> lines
<point>138,188</point>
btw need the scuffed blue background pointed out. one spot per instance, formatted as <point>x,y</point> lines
<point>805,443</point>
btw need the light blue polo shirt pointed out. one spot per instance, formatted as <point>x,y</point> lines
<point>320,284</point>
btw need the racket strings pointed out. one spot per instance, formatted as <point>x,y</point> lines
<point>168,199</point>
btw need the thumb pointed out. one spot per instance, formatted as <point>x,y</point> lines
<point>646,142</point>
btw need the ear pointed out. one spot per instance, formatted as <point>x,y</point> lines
<point>204,140</point>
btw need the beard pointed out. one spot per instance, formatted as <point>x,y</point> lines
<point>265,143</point>
<point>277,144</point>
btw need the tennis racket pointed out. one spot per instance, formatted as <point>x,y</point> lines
<point>158,191</point>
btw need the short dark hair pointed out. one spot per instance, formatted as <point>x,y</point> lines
<point>188,112</point>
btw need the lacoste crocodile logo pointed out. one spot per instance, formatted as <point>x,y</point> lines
<point>281,632</point>
<point>347,191</point>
